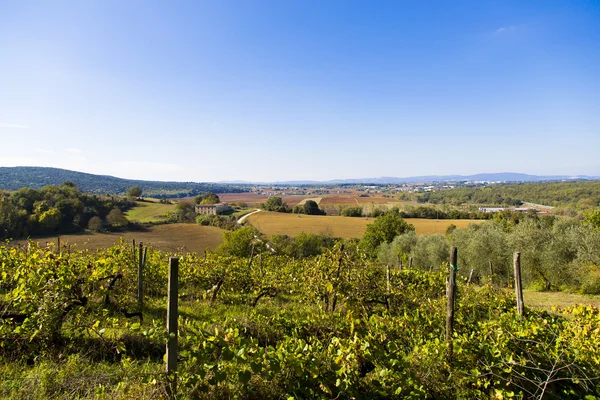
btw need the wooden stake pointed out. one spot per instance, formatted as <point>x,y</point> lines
<point>451,293</point>
<point>518,284</point>
<point>58,245</point>
<point>399,263</point>
<point>491,273</point>
<point>387,278</point>
<point>410,263</point>
<point>134,258</point>
<point>470,276</point>
<point>172,314</point>
<point>140,282</point>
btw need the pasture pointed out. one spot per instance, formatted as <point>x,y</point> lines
<point>271,223</point>
<point>148,211</point>
<point>171,237</point>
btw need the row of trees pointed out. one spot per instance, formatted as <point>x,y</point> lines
<point>580,194</point>
<point>275,203</point>
<point>556,253</point>
<point>54,209</point>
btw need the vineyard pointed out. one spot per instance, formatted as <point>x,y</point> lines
<point>73,325</point>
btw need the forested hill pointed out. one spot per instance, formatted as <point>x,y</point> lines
<point>14,178</point>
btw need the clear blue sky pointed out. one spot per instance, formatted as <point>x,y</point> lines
<point>281,90</point>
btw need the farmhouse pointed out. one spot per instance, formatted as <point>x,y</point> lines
<point>213,209</point>
<point>491,209</point>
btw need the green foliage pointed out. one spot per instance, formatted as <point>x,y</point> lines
<point>207,198</point>
<point>184,212</point>
<point>320,327</point>
<point>592,218</point>
<point>116,219</point>
<point>134,191</point>
<point>275,203</point>
<point>302,246</point>
<point>311,207</point>
<point>15,178</point>
<point>579,194</point>
<point>221,221</point>
<point>241,242</point>
<point>352,212</point>
<point>52,209</point>
<point>383,230</point>
<point>95,224</point>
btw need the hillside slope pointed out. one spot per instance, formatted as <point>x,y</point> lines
<point>13,178</point>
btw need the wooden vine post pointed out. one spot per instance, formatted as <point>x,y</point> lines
<point>451,294</point>
<point>387,278</point>
<point>58,245</point>
<point>491,273</point>
<point>470,276</point>
<point>172,315</point>
<point>399,263</point>
<point>410,263</point>
<point>518,284</point>
<point>140,282</point>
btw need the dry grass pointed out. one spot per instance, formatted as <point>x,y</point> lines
<point>172,237</point>
<point>315,199</point>
<point>271,223</point>
<point>547,300</point>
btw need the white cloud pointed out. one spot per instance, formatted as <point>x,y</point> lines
<point>44,151</point>
<point>506,29</point>
<point>73,150</point>
<point>12,126</point>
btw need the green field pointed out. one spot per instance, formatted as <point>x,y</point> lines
<point>271,223</point>
<point>148,211</point>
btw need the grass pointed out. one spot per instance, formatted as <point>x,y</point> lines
<point>547,300</point>
<point>271,223</point>
<point>241,213</point>
<point>171,237</point>
<point>148,211</point>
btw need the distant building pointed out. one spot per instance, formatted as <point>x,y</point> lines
<point>213,209</point>
<point>491,209</point>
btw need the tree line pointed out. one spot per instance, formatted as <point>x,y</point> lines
<point>57,209</point>
<point>577,194</point>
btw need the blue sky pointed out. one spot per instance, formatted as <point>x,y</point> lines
<point>282,90</point>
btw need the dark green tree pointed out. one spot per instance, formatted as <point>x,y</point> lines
<point>312,208</point>
<point>95,224</point>
<point>383,230</point>
<point>116,219</point>
<point>134,191</point>
<point>207,198</point>
<point>240,242</point>
<point>275,204</point>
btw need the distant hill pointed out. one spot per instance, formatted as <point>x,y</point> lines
<point>487,177</point>
<point>13,178</point>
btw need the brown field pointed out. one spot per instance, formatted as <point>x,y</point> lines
<point>354,200</point>
<point>253,199</point>
<point>172,237</point>
<point>271,223</point>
